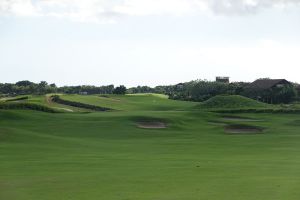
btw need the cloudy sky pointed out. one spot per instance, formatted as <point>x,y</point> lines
<point>148,42</point>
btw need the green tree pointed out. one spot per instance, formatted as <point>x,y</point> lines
<point>120,90</point>
<point>24,83</point>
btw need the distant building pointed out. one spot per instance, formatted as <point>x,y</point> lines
<point>268,90</point>
<point>222,79</point>
<point>265,84</point>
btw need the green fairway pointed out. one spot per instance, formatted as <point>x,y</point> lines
<point>82,154</point>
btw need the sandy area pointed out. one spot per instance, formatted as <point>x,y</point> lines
<point>151,125</point>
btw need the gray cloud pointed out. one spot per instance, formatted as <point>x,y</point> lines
<point>230,7</point>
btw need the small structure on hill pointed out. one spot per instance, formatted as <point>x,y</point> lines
<point>271,90</point>
<point>222,79</point>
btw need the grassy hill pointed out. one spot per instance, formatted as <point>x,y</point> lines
<point>107,155</point>
<point>232,102</point>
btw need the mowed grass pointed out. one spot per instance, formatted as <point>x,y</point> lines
<point>103,155</point>
<point>150,102</point>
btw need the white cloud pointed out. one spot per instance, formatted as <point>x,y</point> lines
<point>108,10</point>
<point>17,7</point>
<point>78,10</point>
<point>155,7</point>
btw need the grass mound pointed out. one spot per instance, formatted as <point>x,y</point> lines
<point>231,102</point>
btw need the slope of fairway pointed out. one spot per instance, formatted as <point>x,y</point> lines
<point>106,156</point>
<point>232,102</point>
<point>149,102</point>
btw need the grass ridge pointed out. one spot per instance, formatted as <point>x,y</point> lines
<point>57,99</point>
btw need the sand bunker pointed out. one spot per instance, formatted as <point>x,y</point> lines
<point>152,125</point>
<point>243,129</point>
<point>240,119</point>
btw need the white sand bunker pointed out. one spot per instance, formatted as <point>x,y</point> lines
<point>152,125</point>
<point>243,129</point>
<point>241,119</point>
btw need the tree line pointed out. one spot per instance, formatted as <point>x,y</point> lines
<point>27,87</point>
<point>201,90</point>
<point>197,90</point>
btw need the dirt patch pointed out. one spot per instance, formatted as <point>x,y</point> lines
<point>243,129</point>
<point>240,119</point>
<point>48,100</point>
<point>152,125</point>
